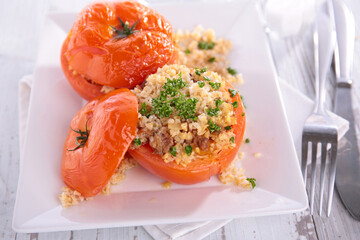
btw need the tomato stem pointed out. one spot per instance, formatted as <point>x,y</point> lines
<point>126,31</point>
<point>82,138</point>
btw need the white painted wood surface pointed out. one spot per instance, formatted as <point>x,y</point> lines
<point>20,23</point>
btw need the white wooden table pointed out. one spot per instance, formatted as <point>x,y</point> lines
<point>20,23</point>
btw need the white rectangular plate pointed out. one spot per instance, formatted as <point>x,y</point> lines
<point>140,200</point>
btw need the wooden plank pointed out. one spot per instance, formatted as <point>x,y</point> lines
<point>288,226</point>
<point>131,233</point>
<point>9,148</point>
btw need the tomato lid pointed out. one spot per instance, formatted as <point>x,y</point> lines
<point>98,138</point>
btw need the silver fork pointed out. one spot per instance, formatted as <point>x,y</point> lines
<point>319,129</point>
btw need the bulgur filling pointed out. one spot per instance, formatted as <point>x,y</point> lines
<point>185,113</point>
<point>70,197</point>
<point>201,48</point>
<point>235,175</point>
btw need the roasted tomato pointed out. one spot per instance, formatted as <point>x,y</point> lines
<point>197,170</point>
<point>98,138</point>
<point>116,44</point>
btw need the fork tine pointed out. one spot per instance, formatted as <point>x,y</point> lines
<point>322,173</point>
<point>304,154</point>
<point>332,176</point>
<point>313,176</point>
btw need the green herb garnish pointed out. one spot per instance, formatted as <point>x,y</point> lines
<point>206,45</point>
<point>231,71</point>
<point>213,127</point>
<point>200,71</point>
<point>137,141</point>
<point>161,106</point>
<point>247,140</point>
<point>252,182</point>
<point>215,111</point>
<point>82,138</point>
<point>232,92</point>
<point>232,139</point>
<point>172,86</point>
<point>125,31</point>
<point>212,59</point>
<point>242,99</point>
<point>215,85</point>
<point>243,114</point>
<point>143,111</point>
<point>187,51</point>
<point>218,102</point>
<point>235,104</point>
<point>201,84</point>
<point>188,150</point>
<point>207,78</point>
<point>227,128</point>
<point>185,107</point>
<point>173,151</point>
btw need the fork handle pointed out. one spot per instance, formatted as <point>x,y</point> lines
<point>324,44</point>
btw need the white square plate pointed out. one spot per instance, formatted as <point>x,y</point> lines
<point>140,200</point>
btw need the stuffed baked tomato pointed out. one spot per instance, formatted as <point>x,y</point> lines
<point>98,138</point>
<point>115,45</point>
<point>191,124</point>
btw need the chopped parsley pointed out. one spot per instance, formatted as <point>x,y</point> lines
<point>213,127</point>
<point>215,111</point>
<point>185,107</point>
<point>247,140</point>
<point>243,114</point>
<point>200,71</point>
<point>242,98</point>
<point>173,151</point>
<point>232,139</point>
<point>227,128</point>
<point>235,104</point>
<point>212,59</point>
<point>215,85</point>
<point>207,78</point>
<point>231,71</point>
<point>143,111</point>
<point>201,84</point>
<point>187,51</point>
<point>232,92</point>
<point>188,150</point>
<point>218,102</point>
<point>172,86</point>
<point>206,45</point>
<point>252,181</point>
<point>161,106</point>
<point>137,141</point>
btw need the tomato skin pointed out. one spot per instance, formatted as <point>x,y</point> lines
<point>91,50</point>
<point>197,170</point>
<point>111,121</point>
<point>84,88</point>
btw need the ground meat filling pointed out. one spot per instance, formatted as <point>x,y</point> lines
<point>202,142</point>
<point>161,141</point>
